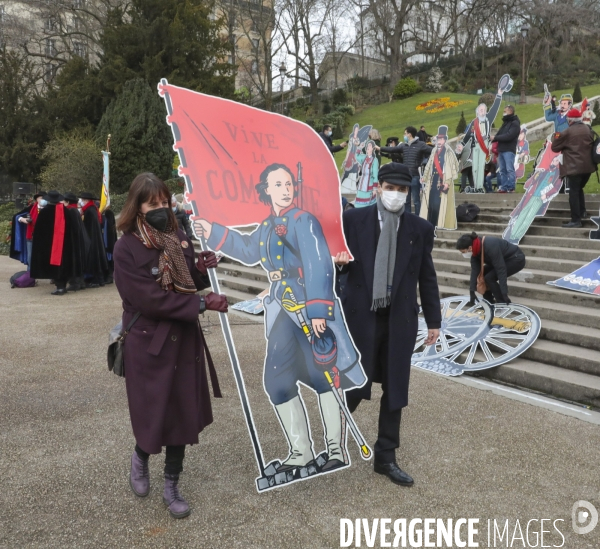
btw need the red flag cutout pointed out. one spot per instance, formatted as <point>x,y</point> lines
<point>224,146</point>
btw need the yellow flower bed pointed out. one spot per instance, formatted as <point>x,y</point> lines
<point>439,104</point>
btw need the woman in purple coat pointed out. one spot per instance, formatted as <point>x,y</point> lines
<point>167,387</point>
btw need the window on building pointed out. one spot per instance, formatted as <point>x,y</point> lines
<point>255,43</point>
<point>78,23</point>
<point>49,72</point>
<point>78,4</point>
<point>79,49</point>
<point>50,48</point>
<point>2,13</point>
<point>50,24</point>
<point>254,67</point>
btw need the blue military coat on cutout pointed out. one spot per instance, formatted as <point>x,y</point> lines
<point>309,277</point>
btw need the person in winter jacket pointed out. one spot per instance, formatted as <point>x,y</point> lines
<point>575,143</point>
<point>507,138</point>
<point>183,221</point>
<point>501,258</point>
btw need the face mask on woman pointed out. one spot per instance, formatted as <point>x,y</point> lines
<point>158,218</point>
<point>467,255</point>
<point>43,203</point>
<point>393,200</point>
<point>174,208</point>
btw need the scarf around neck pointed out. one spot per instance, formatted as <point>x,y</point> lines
<point>172,267</point>
<point>385,257</point>
<point>477,247</point>
<point>87,206</point>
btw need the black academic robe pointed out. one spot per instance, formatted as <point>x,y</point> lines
<point>82,246</point>
<point>43,235</point>
<point>15,226</point>
<point>96,265</point>
<point>414,264</point>
<point>111,230</point>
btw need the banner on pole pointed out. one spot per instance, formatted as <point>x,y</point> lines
<point>105,195</point>
<point>274,176</point>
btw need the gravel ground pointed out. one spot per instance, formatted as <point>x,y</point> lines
<point>65,444</point>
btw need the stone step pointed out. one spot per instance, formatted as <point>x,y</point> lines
<point>241,271</point>
<point>564,356</point>
<point>566,314</point>
<point>548,379</point>
<point>498,229</point>
<point>527,275</point>
<point>559,267</point>
<point>512,199</point>
<point>556,211</point>
<point>561,331</point>
<point>519,290</point>
<point>242,284</point>
<point>575,242</point>
<point>235,296</point>
<point>580,256</point>
<point>544,221</point>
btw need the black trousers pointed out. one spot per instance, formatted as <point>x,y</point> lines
<point>466,174</point>
<point>388,431</point>
<point>514,264</point>
<point>173,458</point>
<point>576,197</point>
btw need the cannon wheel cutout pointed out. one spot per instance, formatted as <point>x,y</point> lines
<point>477,337</point>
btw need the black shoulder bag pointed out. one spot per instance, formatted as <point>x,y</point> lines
<point>116,341</point>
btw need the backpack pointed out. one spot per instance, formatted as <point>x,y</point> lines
<point>467,212</point>
<point>22,280</point>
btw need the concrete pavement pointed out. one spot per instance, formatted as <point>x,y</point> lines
<point>65,443</point>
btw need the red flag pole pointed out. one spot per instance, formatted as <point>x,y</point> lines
<point>223,318</point>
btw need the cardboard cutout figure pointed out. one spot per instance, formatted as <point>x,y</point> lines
<point>476,143</point>
<point>557,113</point>
<point>368,177</point>
<point>586,279</point>
<point>543,185</point>
<point>244,166</point>
<point>356,143</point>
<point>595,234</point>
<point>522,153</point>
<point>439,175</point>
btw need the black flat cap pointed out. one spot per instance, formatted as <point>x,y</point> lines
<point>395,173</point>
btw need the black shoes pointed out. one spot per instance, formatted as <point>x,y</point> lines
<point>92,285</point>
<point>59,291</point>
<point>572,225</point>
<point>394,473</point>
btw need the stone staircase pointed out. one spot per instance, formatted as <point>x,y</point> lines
<point>565,360</point>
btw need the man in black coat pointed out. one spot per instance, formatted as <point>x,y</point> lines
<point>392,253</point>
<point>97,264</point>
<point>507,138</point>
<point>326,137</point>
<point>81,245</point>
<point>414,153</point>
<point>54,251</point>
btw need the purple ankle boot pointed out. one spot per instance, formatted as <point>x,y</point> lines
<point>178,507</point>
<point>139,478</point>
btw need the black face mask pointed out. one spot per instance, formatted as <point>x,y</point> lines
<point>159,218</point>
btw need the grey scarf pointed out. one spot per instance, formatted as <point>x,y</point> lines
<point>385,258</point>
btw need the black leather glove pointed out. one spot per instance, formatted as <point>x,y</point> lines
<point>216,302</point>
<point>473,300</point>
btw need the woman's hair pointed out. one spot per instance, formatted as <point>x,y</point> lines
<point>465,241</point>
<point>144,188</point>
<point>374,134</point>
<point>263,184</point>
